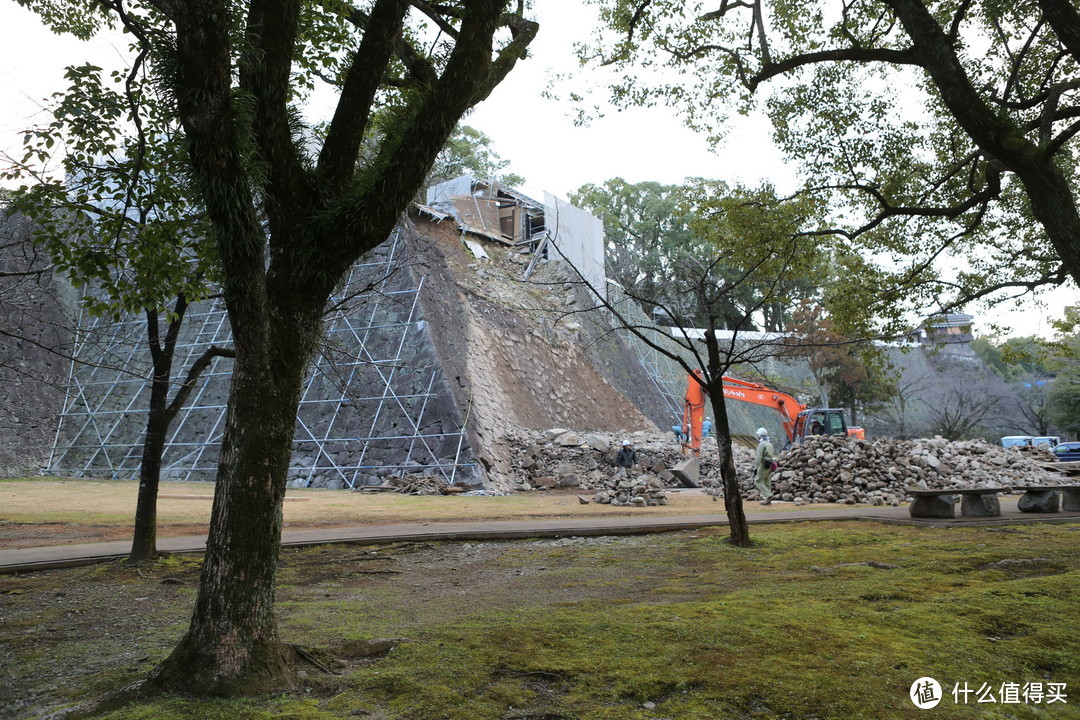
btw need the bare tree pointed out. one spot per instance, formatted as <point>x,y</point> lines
<point>751,245</point>
<point>963,410</point>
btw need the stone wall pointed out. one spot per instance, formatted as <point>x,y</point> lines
<point>429,358</point>
<point>36,337</point>
<point>513,351</point>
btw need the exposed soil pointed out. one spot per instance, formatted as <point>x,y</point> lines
<point>89,630</point>
<point>44,512</point>
<point>25,535</point>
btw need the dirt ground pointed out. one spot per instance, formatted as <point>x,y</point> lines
<point>40,512</point>
<point>135,613</point>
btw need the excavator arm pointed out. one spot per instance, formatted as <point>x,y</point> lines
<point>798,420</point>
<point>758,394</point>
<point>794,416</point>
<point>694,411</point>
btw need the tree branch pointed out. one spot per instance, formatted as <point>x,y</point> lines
<point>193,374</point>
<point>436,17</point>
<point>1064,18</point>
<point>337,161</point>
<point>885,55</point>
<point>469,76</point>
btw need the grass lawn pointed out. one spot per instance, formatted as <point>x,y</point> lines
<point>817,620</point>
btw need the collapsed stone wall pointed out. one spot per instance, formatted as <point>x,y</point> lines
<point>428,360</point>
<point>513,350</point>
<point>831,469</point>
<point>487,353</point>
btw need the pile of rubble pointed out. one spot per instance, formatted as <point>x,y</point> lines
<point>830,469</point>
<point>413,484</point>
<point>825,469</point>
<point>560,458</point>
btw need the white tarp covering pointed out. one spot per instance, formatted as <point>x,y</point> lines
<point>440,195</point>
<point>579,239</point>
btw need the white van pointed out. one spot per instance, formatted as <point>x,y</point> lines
<point>1029,440</point>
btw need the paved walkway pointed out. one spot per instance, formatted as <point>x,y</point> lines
<point>58,556</point>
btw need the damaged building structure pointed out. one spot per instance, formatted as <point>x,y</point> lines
<point>475,318</point>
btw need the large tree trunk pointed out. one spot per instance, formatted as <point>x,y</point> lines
<point>232,646</point>
<point>275,288</point>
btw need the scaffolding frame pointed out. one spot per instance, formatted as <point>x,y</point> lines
<point>666,374</point>
<point>366,406</point>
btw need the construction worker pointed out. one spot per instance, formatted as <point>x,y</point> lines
<point>677,429</point>
<point>627,457</point>
<point>763,466</point>
<point>706,428</point>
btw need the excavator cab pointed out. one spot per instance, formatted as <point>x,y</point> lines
<point>819,421</point>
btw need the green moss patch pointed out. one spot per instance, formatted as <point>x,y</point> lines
<point>822,620</point>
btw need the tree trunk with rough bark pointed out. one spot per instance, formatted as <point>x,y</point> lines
<point>144,540</point>
<point>719,363</point>
<point>232,646</point>
<point>276,284</point>
<point>158,419</point>
<point>739,531</point>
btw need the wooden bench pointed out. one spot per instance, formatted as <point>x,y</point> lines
<point>974,502</point>
<point>1044,498</point>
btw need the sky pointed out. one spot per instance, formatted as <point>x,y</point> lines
<point>536,134</point>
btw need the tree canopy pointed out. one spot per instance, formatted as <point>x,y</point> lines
<point>1044,375</point>
<point>658,237</point>
<point>111,199</point>
<point>942,134</point>
<point>289,209</point>
<point>123,223</point>
<point>470,151</point>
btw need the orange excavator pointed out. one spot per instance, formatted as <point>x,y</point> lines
<point>693,412</point>
<point>798,419</point>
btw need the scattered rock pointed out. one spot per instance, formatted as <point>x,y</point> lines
<point>1015,562</point>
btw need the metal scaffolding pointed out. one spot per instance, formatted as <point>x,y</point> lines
<point>375,402</point>
<point>668,376</point>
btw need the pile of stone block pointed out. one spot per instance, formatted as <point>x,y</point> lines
<point>831,469</point>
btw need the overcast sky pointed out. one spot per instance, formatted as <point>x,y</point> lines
<point>536,134</point>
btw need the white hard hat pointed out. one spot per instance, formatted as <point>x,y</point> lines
<point>762,432</point>
<point>626,443</point>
